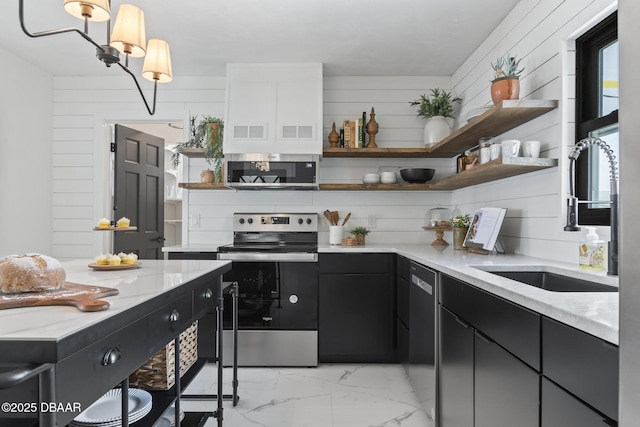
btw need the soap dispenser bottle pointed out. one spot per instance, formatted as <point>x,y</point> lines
<point>592,251</point>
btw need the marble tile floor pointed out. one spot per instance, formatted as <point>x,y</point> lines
<point>331,395</point>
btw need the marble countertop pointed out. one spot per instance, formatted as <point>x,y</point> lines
<point>135,286</point>
<point>593,312</point>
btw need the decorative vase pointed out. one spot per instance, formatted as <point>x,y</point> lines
<point>505,88</point>
<point>360,239</point>
<point>372,130</point>
<point>459,234</point>
<point>436,129</point>
<point>333,136</point>
<point>207,176</point>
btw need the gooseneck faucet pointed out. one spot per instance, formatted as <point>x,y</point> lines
<point>572,201</point>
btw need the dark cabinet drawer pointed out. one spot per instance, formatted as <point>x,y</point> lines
<point>83,377</point>
<point>582,364</point>
<point>561,409</point>
<point>167,322</point>
<point>193,255</point>
<point>513,327</point>
<point>355,263</point>
<point>204,298</point>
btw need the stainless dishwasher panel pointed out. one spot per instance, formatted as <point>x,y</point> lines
<point>422,338</point>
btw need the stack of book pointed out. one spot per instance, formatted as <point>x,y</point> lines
<point>352,134</point>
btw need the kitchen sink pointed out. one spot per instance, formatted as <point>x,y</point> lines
<point>554,282</point>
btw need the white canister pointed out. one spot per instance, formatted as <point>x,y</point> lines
<point>336,233</point>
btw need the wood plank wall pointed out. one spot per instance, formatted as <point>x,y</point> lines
<point>539,32</point>
<point>534,30</point>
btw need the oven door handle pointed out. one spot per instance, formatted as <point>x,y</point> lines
<point>263,256</point>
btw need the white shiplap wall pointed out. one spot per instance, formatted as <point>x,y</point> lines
<point>25,157</point>
<point>399,215</point>
<point>535,30</point>
<point>83,107</point>
<point>539,32</point>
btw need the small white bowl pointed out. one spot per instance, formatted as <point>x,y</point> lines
<point>371,178</point>
<point>388,177</point>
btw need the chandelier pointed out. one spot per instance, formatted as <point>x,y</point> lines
<point>128,38</point>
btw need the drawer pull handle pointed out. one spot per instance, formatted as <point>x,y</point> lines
<point>174,316</point>
<point>208,294</point>
<point>111,356</point>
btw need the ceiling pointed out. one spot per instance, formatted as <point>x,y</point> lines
<point>356,37</point>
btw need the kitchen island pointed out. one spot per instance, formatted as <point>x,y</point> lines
<point>86,354</point>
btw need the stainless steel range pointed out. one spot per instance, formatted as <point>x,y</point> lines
<point>275,263</point>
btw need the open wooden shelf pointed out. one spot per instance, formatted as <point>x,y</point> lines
<point>494,170</point>
<point>499,119</point>
<point>196,153</point>
<point>202,186</point>
<point>377,152</point>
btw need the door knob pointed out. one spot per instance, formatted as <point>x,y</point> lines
<point>159,239</point>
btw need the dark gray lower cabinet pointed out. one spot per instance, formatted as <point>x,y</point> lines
<point>506,390</point>
<point>356,308</point>
<point>561,409</point>
<point>456,371</point>
<point>582,364</point>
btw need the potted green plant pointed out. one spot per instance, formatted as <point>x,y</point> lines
<point>359,233</point>
<point>460,224</point>
<point>208,135</point>
<point>506,78</point>
<point>435,108</point>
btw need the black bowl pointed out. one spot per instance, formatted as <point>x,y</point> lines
<point>417,175</point>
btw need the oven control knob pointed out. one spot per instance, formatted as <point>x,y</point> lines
<point>241,221</point>
<point>308,220</point>
<point>300,221</point>
<point>250,221</point>
<point>293,299</point>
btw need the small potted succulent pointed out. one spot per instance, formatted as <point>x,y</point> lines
<point>435,108</point>
<point>359,233</point>
<point>208,135</point>
<point>460,224</point>
<point>506,78</point>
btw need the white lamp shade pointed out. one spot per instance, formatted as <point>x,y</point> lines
<point>157,63</point>
<point>128,34</point>
<point>98,9</point>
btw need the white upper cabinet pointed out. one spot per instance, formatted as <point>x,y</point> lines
<point>273,109</point>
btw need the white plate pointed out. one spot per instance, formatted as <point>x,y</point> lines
<point>107,411</point>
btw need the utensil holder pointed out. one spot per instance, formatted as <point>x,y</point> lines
<point>336,233</point>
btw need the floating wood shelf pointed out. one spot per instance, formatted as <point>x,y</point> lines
<point>377,152</point>
<point>497,169</point>
<point>202,186</point>
<point>499,119</point>
<point>196,153</point>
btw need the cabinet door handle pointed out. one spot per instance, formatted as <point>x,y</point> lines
<point>208,294</point>
<point>484,337</point>
<point>466,325</point>
<point>174,316</point>
<point>111,356</point>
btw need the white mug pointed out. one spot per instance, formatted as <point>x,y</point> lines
<point>510,148</point>
<point>336,233</point>
<point>531,149</point>
<point>495,151</point>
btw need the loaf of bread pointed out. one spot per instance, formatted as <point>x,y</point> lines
<point>30,273</point>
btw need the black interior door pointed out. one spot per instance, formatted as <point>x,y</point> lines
<point>139,192</point>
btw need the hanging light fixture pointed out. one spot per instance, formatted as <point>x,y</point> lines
<point>128,38</point>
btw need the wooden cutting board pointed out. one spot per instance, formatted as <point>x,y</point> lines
<point>84,297</point>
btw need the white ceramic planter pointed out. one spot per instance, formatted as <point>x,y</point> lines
<point>436,129</point>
